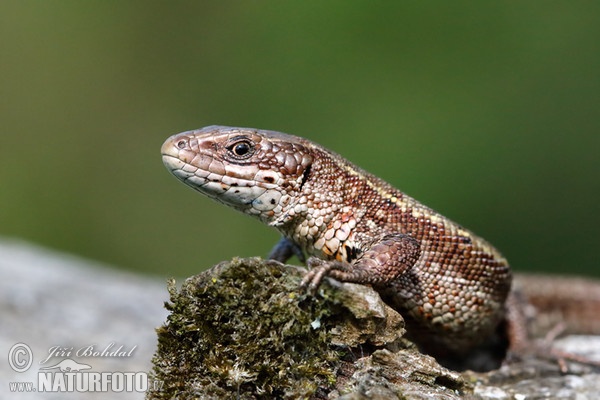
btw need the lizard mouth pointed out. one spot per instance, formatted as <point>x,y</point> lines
<point>236,191</point>
<point>198,177</point>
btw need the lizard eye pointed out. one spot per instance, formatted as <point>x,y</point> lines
<point>241,149</point>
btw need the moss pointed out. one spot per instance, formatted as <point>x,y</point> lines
<point>244,329</point>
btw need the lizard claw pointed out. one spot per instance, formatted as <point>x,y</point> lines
<point>314,277</point>
<point>319,269</point>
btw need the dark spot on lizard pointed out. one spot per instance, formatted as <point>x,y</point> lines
<point>269,179</point>
<point>272,201</point>
<point>465,239</point>
<point>351,253</point>
<point>305,176</point>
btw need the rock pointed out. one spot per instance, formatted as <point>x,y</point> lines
<point>244,329</point>
<point>536,379</point>
<point>50,299</point>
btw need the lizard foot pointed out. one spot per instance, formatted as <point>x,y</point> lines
<point>381,263</point>
<point>544,348</point>
<point>319,269</point>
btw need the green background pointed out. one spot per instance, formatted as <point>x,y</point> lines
<point>488,112</point>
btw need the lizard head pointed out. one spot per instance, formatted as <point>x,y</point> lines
<point>255,171</point>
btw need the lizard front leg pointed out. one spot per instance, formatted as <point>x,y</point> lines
<point>380,263</point>
<point>284,250</point>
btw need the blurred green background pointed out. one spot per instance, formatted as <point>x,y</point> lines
<point>488,112</point>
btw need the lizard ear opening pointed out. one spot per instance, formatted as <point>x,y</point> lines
<point>305,175</point>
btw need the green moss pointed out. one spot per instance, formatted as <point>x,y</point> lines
<point>243,328</point>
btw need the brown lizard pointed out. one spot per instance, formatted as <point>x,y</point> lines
<point>449,284</point>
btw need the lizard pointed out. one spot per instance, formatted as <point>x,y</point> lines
<point>451,286</point>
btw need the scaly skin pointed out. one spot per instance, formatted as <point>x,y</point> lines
<point>449,284</point>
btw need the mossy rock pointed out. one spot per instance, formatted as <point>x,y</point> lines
<point>244,329</point>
